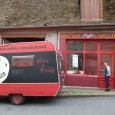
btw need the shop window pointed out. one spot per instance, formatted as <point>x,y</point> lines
<point>83,56</point>
<point>91,46</point>
<point>91,64</point>
<point>23,61</point>
<point>106,46</point>
<point>78,54</point>
<point>75,45</point>
<point>75,63</point>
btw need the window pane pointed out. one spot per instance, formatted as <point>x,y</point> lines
<point>75,63</point>
<point>60,66</point>
<point>91,46</point>
<point>91,64</point>
<point>75,45</point>
<point>107,46</point>
<point>22,61</point>
<point>109,60</point>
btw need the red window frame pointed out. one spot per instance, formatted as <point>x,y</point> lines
<point>84,52</point>
<point>98,52</point>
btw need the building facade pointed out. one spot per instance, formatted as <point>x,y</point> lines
<point>84,54</point>
<point>84,49</point>
<point>84,31</point>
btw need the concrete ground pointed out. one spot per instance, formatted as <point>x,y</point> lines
<point>78,91</point>
<point>83,92</point>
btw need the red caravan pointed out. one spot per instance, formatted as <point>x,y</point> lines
<point>30,69</point>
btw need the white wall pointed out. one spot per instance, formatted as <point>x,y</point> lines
<point>52,36</point>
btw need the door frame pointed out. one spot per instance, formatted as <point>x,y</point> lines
<point>102,79</point>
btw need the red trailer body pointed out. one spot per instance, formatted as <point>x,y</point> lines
<point>30,69</point>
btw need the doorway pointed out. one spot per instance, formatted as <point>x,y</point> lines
<point>110,60</point>
<point>106,53</point>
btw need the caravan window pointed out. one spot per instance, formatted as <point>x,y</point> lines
<point>60,66</point>
<point>23,61</point>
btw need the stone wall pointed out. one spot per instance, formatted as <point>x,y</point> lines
<point>109,11</point>
<point>47,12</point>
<point>38,12</point>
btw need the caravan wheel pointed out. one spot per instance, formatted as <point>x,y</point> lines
<point>17,99</point>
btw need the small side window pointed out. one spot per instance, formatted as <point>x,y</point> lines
<point>60,66</point>
<point>23,61</point>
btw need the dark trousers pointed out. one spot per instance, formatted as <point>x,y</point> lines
<point>107,82</point>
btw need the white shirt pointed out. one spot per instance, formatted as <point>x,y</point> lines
<point>108,71</point>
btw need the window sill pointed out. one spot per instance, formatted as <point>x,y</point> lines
<point>75,72</point>
<point>80,75</point>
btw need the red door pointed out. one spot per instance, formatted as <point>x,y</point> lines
<point>106,55</point>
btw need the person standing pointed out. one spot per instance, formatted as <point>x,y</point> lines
<point>107,75</point>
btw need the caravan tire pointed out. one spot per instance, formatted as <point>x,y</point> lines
<point>17,99</point>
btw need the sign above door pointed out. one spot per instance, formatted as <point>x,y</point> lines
<point>87,35</point>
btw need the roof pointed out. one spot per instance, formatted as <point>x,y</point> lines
<point>66,26</point>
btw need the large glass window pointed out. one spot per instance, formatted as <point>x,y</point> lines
<point>91,64</point>
<point>106,46</point>
<point>75,63</point>
<point>91,46</point>
<point>83,56</point>
<point>75,45</point>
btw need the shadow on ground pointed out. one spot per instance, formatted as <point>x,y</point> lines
<point>31,100</point>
